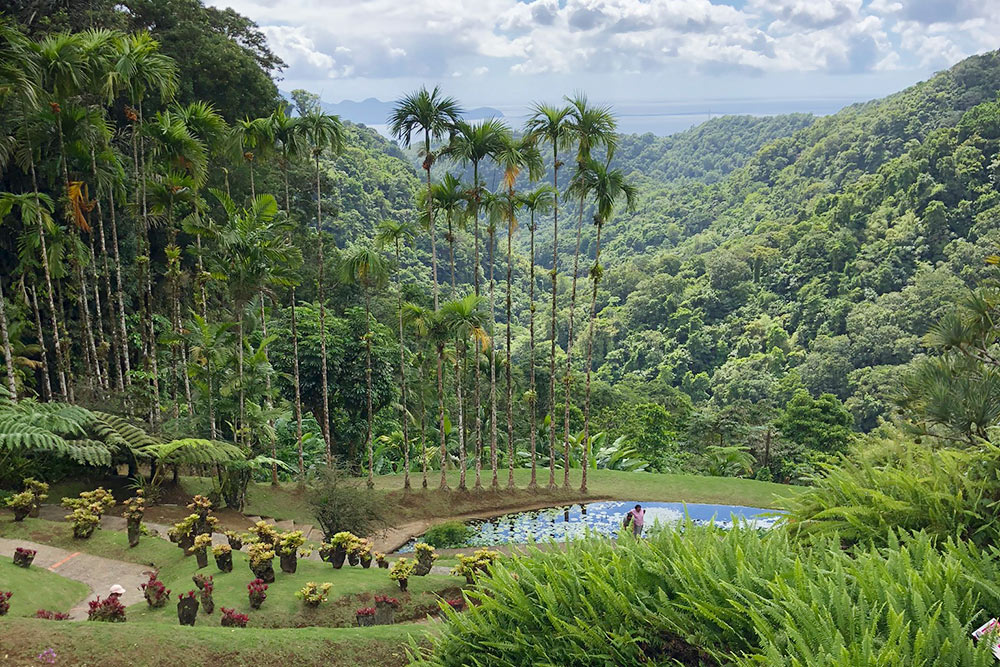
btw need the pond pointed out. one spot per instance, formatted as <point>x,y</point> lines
<point>605,518</point>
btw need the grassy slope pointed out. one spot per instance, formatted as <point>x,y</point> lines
<point>35,588</point>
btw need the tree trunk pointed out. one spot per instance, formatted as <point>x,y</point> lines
<point>461,425</point>
<point>239,356</point>
<point>510,387</point>
<point>595,278</point>
<point>428,161</point>
<point>569,351</point>
<point>423,434</point>
<point>444,443</point>
<point>268,402</point>
<point>533,484</point>
<point>116,342</point>
<point>46,380</point>
<point>140,174</point>
<point>211,404</point>
<point>119,293</point>
<point>368,385</point>
<point>477,356</point>
<point>295,347</point>
<point>493,366</point>
<point>8,357</point>
<point>552,327</point>
<point>322,322</point>
<point>402,376</point>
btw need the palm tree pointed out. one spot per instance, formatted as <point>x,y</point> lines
<point>550,124</point>
<point>208,345</point>
<point>608,188</point>
<point>8,357</point>
<point>322,131</point>
<point>419,319</point>
<point>471,144</point>
<point>435,116</point>
<point>366,267</point>
<point>464,320</point>
<point>391,232</point>
<point>514,156</point>
<point>589,127</point>
<point>254,137</point>
<point>438,334</point>
<point>537,201</point>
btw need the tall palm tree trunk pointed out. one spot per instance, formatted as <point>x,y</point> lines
<point>444,444</point>
<point>510,386</point>
<point>533,484</point>
<point>493,366</point>
<point>268,402</point>
<point>239,361</point>
<point>322,322</point>
<point>139,159</point>
<point>40,334</point>
<point>298,389</point>
<point>461,425</point>
<point>595,278</point>
<point>477,345</point>
<point>8,356</point>
<point>402,376</point>
<point>428,161</point>
<point>567,379</point>
<point>552,326</point>
<point>368,393</point>
<point>423,433</point>
<point>119,293</point>
<point>116,341</point>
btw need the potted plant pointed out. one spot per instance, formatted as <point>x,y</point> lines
<point>22,504</point>
<point>365,616</point>
<point>325,551</point>
<point>85,521</point>
<point>201,580</point>
<point>233,619</point>
<point>39,491</point>
<point>425,559</point>
<point>202,543</point>
<point>47,615</point>
<point>313,594</point>
<point>23,557</point>
<point>265,533</point>
<point>262,562</point>
<point>401,572</point>
<point>187,608</point>
<point>183,533</point>
<point>5,602</point>
<point>207,603</point>
<point>381,560</point>
<point>385,609</point>
<point>154,591</point>
<point>97,501</point>
<point>202,508</point>
<point>223,557</point>
<point>341,543</point>
<point>458,604</point>
<point>471,566</point>
<point>108,610</point>
<point>235,539</point>
<point>135,507</point>
<point>257,592</point>
<point>365,553</point>
<point>288,548</point>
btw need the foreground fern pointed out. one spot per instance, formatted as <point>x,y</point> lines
<point>704,596</point>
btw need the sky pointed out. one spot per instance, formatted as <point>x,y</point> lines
<point>632,53</point>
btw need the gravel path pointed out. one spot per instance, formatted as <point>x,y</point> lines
<point>99,574</point>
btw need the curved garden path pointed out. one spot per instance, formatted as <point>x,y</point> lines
<point>99,574</point>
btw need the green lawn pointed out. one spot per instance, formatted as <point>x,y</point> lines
<point>154,645</point>
<point>35,588</point>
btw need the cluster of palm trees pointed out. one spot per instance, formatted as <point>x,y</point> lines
<point>578,127</point>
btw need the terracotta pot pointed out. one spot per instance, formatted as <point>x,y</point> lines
<point>187,610</point>
<point>224,562</point>
<point>289,563</point>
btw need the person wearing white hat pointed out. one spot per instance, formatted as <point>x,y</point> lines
<point>116,591</point>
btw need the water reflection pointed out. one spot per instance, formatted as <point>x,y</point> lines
<point>566,522</point>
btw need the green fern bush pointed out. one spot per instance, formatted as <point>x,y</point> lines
<point>742,597</point>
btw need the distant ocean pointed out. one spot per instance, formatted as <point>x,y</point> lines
<point>663,118</point>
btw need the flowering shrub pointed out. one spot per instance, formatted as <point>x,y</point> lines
<point>23,557</point>
<point>313,594</point>
<point>154,591</point>
<point>201,580</point>
<point>51,615</point>
<point>5,602</point>
<point>265,533</point>
<point>109,610</point>
<point>233,619</point>
<point>257,591</point>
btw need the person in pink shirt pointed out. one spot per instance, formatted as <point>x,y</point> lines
<point>636,517</point>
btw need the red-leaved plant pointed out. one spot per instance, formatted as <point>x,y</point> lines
<point>386,600</point>
<point>457,604</point>
<point>109,610</point>
<point>257,590</point>
<point>233,619</point>
<point>154,591</point>
<point>365,611</point>
<point>4,602</point>
<point>51,615</point>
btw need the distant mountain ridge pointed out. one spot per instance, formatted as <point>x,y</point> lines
<point>373,111</point>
